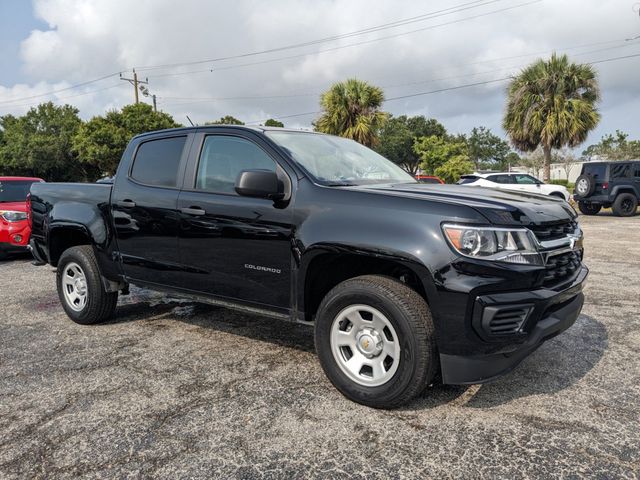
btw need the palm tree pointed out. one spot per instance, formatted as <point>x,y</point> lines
<point>351,109</point>
<point>551,104</point>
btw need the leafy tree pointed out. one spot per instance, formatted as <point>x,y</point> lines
<point>436,151</point>
<point>397,137</point>
<point>533,161</point>
<point>511,160</point>
<point>614,147</point>
<point>487,150</point>
<point>39,144</point>
<point>454,168</point>
<point>226,120</point>
<point>351,109</point>
<point>273,123</point>
<point>101,141</point>
<point>552,104</point>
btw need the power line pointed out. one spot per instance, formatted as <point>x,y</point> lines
<point>427,16</point>
<point>67,97</point>
<point>195,100</point>
<point>397,23</point>
<point>458,87</point>
<point>53,92</point>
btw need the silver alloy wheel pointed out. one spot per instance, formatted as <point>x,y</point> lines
<point>74,286</point>
<point>582,187</point>
<point>365,345</point>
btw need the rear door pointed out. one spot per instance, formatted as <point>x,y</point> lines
<point>233,246</point>
<point>144,210</point>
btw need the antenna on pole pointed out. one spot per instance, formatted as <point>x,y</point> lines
<point>190,121</point>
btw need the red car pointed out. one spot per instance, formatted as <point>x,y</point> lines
<point>14,221</point>
<point>429,179</point>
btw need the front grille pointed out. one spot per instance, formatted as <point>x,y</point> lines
<point>507,321</point>
<point>561,267</point>
<point>553,232</point>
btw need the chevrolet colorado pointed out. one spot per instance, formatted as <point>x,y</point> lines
<point>402,281</point>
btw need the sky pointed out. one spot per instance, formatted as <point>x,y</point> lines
<point>255,60</point>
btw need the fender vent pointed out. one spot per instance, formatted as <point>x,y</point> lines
<point>506,320</point>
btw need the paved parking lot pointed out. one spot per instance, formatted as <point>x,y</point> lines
<point>181,390</point>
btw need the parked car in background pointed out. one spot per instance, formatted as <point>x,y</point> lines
<point>522,182</point>
<point>429,179</point>
<point>14,211</point>
<point>402,281</point>
<point>608,184</point>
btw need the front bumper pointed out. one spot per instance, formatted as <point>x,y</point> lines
<point>547,313</point>
<point>14,234</point>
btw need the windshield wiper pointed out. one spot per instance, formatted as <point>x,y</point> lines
<point>342,184</point>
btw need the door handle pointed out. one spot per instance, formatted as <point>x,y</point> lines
<point>126,203</point>
<point>193,211</point>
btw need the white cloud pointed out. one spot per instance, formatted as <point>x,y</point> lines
<point>90,38</point>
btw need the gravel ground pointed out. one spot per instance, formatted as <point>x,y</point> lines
<point>175,389</point>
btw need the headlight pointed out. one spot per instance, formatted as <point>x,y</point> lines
<point>11,216</point>
<point>511,245</point>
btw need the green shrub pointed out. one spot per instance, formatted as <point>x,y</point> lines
<point>559,181</point>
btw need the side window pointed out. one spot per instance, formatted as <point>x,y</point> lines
<point>157,161</point>
<point>503,179</point>
<point>525,180</point>
<point>636,170</point>
<point>620,170</point>
<point>224,157</point>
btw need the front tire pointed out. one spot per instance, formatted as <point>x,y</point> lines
<point>375,341</point>
<point>80,287</point>
<point>589,208</point>
<point>625,205</point>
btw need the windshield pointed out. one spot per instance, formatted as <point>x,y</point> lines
<point>14,190</point>
<point>339,161</point>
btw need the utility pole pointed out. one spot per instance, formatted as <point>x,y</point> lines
<point>135,82</point>
<point>155,108</point>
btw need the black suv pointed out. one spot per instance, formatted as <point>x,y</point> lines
<point>609,184</point>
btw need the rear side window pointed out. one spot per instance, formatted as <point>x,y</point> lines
<point>224,157</point>
<point>500,178</point>
<point>636,170</point>
<point>157,162</point>
<point>620,170</point>
<point>597,171</point>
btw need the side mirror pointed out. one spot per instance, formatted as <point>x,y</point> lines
<point>259,184</point>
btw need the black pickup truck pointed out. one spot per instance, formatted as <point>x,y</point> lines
<point>402,281</point>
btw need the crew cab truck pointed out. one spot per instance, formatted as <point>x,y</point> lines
<point>401,281</point>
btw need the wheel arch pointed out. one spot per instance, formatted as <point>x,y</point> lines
<point>325,266</point>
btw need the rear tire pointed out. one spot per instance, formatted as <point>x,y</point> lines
<point>589,208</point>
<point>80,287</point>
<point>386,332</point>
<point>625,205</point>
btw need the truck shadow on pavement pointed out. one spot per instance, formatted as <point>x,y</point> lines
<point>556,365</point>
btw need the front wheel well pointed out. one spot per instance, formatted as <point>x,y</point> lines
<point>63,238</point>
<point>328,270</point>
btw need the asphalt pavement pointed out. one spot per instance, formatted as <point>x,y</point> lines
<point>175,389</point>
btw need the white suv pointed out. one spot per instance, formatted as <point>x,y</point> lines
<point>514,181</point>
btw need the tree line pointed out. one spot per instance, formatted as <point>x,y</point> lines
<point>550,109</point>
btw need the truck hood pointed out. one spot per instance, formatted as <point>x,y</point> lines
<point>498,206</point>
<point>14,206</point>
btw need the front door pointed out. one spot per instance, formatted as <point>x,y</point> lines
<point>232,246</point>
<point>143,207</point>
